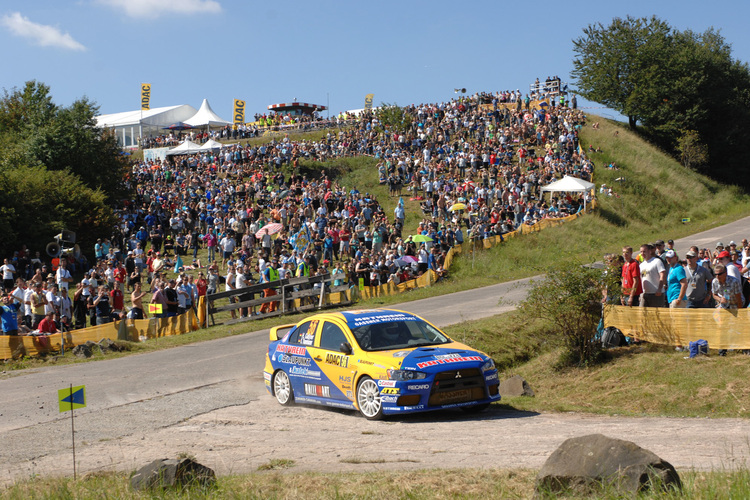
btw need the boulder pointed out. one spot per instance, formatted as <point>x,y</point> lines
<point>107,345</point>
<point>82,350</point>
<point>515,386</point>
<point>586,462</point>
<point>167,473</point>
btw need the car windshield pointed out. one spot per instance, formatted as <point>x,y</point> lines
<point>398,335</point>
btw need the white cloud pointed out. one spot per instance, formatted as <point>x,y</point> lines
<point>150,9</point>
<point>45,36</point>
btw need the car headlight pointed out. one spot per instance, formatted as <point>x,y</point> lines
<point>489,365</point>
<point>405,375</point>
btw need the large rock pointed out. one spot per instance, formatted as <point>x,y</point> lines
<point>515,386</point>
<point>83,350</point>
<point>589,461</point>
<point>166,473</point>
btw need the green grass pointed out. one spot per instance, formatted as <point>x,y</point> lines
<point>416,485</point>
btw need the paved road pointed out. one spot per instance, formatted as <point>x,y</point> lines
<point>161,389</point>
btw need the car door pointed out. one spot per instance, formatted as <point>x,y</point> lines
<point>338,368</point>
<point>297,360</point>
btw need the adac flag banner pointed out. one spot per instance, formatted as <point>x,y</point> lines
<point>239,112</point>
<point>368,102</point>
<point>145,96</point>
<point>72,399</point>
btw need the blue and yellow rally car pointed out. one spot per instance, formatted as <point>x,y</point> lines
<point>380,362</point>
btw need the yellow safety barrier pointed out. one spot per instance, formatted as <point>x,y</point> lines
<point>722,328</point>
<point>127,329</point>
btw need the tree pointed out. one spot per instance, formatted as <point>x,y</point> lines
<point>693,153</point>
<point>569,297</point>
<point>393,117</point>
<point>616,65</point>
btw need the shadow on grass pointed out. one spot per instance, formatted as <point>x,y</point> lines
<point>613,217</point>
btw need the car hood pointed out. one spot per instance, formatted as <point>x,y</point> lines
<point>428,359</point>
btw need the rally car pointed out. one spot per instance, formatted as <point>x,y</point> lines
<point>380,362</point>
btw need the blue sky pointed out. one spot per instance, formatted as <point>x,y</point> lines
<point>335,52</point>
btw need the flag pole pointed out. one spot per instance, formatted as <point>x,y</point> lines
<point>73,432</point>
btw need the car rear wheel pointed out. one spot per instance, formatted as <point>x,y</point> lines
<point>282,388</point>
<point>368,399</point>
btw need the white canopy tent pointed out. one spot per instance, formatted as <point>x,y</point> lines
<point>211,145</point>
<point>206,117</point>
<point>130,125</point>
<point>569,184</point>
<point>186,148</point>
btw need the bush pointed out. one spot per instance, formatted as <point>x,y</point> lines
<point>569,297</point>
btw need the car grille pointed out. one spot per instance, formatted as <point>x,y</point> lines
<point>457,386</point>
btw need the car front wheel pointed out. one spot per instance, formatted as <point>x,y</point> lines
<point>282,388</point>
<point>368,399</point>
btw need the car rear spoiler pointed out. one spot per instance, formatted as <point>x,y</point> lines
<point>278,332</point>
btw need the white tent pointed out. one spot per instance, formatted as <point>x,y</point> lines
<point>570,184</point>
<point>211,145</point>
<point>130,125</point>
<point>186,148</point>
<point>206,117</point>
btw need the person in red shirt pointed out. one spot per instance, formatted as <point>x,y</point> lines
<point>120,274</point>
<point>117,299</point>
<point>201,284</point>
<point>47,325</point>
<point>631,278</point>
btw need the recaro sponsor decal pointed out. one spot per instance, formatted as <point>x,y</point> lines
<point>490,378</point>
<point>387,383</point>
<point>418,387</point>
<point>460,359</point>
<point>338,360</point>
<point>321,391</point>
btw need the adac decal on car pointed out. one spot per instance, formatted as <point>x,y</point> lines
<point>337,359</point>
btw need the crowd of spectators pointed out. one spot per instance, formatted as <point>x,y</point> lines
<point>475,151</point>
<point>659,277</point>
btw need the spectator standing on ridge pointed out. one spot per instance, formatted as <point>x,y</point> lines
<point>698,281</point>
<point>676,281</point>
<point>631,279</point>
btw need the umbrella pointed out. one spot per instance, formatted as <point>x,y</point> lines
<point>178,126</point>
<point>457,206</point>
<point>405,260</point>
<point>421,238</point>
<point>271,228</point>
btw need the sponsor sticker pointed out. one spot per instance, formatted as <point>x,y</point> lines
<point>267,376</point>
<point>321,391</point>
<point>345,379</point>
<point>387,383</point>
<point>388,399</point>
<point>291,349</point>
<point>460,359</point>
<point>304,372</point>
<point>390,390</point>
<point>490,378</point>
<point>418,387</point>
<point>293,360</point>
<point>338,360</point>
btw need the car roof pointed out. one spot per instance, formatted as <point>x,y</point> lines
<point>360,317</point>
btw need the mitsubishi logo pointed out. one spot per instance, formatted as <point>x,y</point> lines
<point>458,374</point>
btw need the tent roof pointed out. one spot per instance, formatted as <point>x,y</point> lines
<point>210,145</point>
<point>206,116</point>
<point>186,148</point>
<point>569,184</point>
<point>159,117</point>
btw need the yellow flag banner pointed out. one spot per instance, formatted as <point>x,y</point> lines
<point>368,102</point>
<point>145,96</point>
<point>239,111</point>
<point>722,328</point>
<point>155,309</point>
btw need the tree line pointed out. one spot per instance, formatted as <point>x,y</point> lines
<point>681,89</point>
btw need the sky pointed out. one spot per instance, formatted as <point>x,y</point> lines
<point>328,52</point>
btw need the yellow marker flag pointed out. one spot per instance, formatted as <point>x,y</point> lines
<point>145,96</point>
<point>72,398</point>
<point>155,308</point>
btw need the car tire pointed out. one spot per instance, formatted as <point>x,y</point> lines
<point>282,388</point>
<point>475,408</point>
<point>368,399</point>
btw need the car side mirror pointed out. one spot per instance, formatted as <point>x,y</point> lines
<point>345,347</point>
